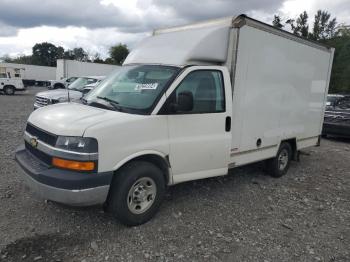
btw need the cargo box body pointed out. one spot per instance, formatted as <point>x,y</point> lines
<point>279,88</point>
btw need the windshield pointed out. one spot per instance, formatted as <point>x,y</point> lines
<point>333,98</point>
<point>81,82</point>
<point>134,88</point>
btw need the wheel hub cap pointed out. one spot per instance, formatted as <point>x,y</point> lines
<point>141,195</point>
<point>283,159</point>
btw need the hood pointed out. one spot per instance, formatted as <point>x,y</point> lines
<point>70,119</point>
<point>60,94</point>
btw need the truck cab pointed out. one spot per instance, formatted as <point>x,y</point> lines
<point>188,103</point>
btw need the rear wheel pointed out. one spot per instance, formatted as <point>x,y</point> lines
<point>9,90</point>
<point>136,193</point>
<point>279,165</point>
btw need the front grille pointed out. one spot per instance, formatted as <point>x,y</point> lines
<point>41,101</point>
<point>39,154</point>
<point>41,135</point>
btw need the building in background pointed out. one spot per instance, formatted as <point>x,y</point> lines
<point>40,75</point>
<point>71,68</point>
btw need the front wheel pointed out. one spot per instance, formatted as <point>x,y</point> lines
<point>279,165</point>
<point>136,193</point>
<point>9,90</point>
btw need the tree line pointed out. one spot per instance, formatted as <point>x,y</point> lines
<point>325,30</point>
<point>46,54</point>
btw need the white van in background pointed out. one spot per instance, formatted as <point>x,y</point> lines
<point>188,103</point>
<point>10,85</point>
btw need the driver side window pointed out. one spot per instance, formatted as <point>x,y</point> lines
<point>207,89</point>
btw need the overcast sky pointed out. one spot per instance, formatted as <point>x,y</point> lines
<point>97,24</point>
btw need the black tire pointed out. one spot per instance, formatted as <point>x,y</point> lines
<point>127,182</point>
<point>9,90</point>
<point>278,166</point>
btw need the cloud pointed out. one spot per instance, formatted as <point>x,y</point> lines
<point>7,30</point>
<point>338,8</point>
<point>92,40</point>
<point>98,24</point>
<point>199,10</point>
<point>87,13</point>
<point>126,16</point>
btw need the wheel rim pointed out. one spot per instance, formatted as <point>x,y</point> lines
<point>9,91</point>
<point>142,195</point>
<point>283,159</point>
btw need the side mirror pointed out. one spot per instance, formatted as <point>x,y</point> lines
<point>184,102</point>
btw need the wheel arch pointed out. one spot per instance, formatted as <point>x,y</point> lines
<point>157,158</point>
<point>9,86</point>
<point>293,143</point>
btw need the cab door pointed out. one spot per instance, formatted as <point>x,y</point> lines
<point>199,138</point>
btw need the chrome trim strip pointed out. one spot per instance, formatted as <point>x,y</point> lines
<point>252,150</point>
<point>57,152</point>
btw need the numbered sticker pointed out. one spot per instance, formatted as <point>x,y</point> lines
<point>150,86</point>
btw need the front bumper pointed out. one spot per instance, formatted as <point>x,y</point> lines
<point>336,129</point>
<point>63,186</point>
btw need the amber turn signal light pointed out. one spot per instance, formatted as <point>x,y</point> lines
<point>74,165</point>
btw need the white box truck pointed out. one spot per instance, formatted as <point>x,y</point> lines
<point>10,80</point>
<point>189,102</point>
<point>30,74</point>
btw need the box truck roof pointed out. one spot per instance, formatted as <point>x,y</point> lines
<point>200,43</point>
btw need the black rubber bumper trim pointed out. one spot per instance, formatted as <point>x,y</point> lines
<point>59,178</point>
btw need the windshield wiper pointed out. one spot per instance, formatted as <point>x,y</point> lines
<point>113,103</point>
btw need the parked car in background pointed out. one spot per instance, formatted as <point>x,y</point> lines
<point>72,93</point>
<point>10,85</point>
<point>90,87</point>
<point>63,83</point>
<point>337,116</point>
<point>332,98</point>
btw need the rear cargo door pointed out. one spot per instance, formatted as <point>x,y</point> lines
<point>200,139</point>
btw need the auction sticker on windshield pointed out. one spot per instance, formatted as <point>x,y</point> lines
<point>150,86</point>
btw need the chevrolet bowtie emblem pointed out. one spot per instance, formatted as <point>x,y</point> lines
<point>34,142</point>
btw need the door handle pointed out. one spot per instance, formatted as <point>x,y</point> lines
<point>228,124</point>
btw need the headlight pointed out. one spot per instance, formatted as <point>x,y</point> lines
<point>77,144</point>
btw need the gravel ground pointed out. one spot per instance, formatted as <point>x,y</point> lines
<point>245,216</point>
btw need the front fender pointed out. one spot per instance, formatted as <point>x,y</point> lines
<point>144,153</point>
